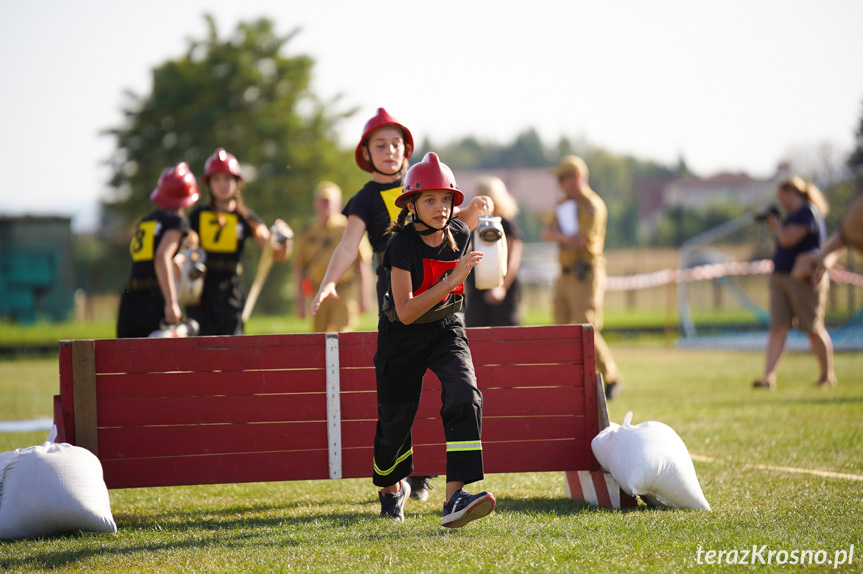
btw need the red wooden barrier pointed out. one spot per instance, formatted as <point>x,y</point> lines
<point>202,410</point>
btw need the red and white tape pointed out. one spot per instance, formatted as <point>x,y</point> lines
<point>712,271</point>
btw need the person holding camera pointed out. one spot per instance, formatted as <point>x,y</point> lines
<point>578,227</point>
<point>791,299</point>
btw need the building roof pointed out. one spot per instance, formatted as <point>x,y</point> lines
<point>534,188</point>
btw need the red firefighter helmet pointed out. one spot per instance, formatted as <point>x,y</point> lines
<point>381,120</point>
<point>222,162</point>
<point>177,188</point>
<point>428,175</point>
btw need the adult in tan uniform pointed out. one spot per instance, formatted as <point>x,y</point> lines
<point>313,252</point>
<point>579,231</point>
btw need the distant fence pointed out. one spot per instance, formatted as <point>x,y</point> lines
<point>649,278</point>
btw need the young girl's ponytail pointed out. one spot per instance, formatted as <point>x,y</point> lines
<point>450,240</point>
<point>399,223</point>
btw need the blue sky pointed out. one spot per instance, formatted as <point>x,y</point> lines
<point>736,86</point>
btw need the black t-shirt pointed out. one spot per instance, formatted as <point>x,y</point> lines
<point>148,235</point>
<point>809,217</point>
<point>223,243</point>
<point>426,264</point>
<point>375,205</point>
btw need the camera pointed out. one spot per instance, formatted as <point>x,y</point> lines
<point>762,214</point>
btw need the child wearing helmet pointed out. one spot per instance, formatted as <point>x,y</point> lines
<point>223,225</point>
<point>419,329</point>
<point>383,150</point>
<point>150,296</point>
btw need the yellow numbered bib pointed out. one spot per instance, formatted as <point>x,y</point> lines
<point>389,196</point>
<point>141,247</point>
<point>216,238</point>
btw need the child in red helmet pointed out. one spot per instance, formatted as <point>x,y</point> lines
<point>223,225</point>
<point>419,329</point>
<point>383,150</point>
<point>150,296</point>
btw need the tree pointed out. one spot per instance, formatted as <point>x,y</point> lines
<point>245,95</point>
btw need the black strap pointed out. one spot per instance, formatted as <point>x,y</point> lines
<point>449,307</point>
<point>231,267</point>
<point>142,284</point>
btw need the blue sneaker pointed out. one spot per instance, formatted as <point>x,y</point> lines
<point>393,503</point>
<point>464,507</point>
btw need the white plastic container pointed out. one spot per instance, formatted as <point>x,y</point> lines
<point>489,239</point>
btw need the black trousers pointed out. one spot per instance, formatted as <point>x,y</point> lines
<point>141,312</point>
<point>404,354</point>
<point>220,311</point>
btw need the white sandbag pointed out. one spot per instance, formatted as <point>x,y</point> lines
<point>5,458</point>
<point>54,488</point>
<point>650,460</point>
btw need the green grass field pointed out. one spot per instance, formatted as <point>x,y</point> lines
<point>332,526</point>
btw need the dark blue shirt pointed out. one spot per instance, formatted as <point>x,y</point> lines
<point>809,217</point>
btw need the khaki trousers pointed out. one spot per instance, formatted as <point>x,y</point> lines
<point>337,315</point>
<point>579,301</point>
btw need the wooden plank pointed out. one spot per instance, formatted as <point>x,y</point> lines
<point>553,344</point>
<point>526,333</point>
<point>155,442</point>
<point>67,398</point>
<point>168,360</point>
<point>538,456</point>
<point>357,463</point>
<point>84,393</point>
<point>212,410</point>
<point>357,379</point>
<point>134,385</point>
<point>532,351</point>
<point>334,401</point>
<point>58,421</point>
<point>216,343</point>
<point>601,405</point>
<point>216,469</point>
<point>194,354</point>
<point>508,429</point>
<point>357,434</point>
<point>590,401</point>
<point>537,413</point>
<point>499,401</point>
<point>357,349</point>
<point>504,457</point>
<point>563,375</point>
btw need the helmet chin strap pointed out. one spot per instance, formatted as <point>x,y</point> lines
<point>429,229</point>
